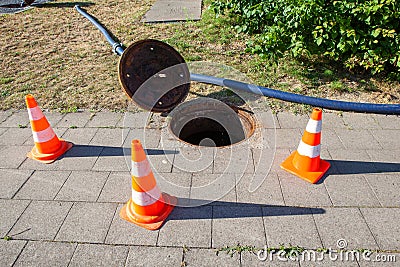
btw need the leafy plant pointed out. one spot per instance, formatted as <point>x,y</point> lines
<point>359,33</point>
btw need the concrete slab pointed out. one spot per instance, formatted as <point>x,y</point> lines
<point>38,253</point>
<point>13,156</point>
<point>344,223</point>
<point>381,259</point>
<point>386,188</point>
<point>233,160</point>
<point>117,188</point>
<point>208,257</point>
<point>175,185</point>
<point>11,181</point>
<point>350,190</point>
<point>4,114</point>
<point>135,120</point>
<point>92,220</point>
<point>288,138</point>
<point>10,211</point>
<point>105,119</point>
<point>41,220</point>
<point>43,185</point>
<point>16,119</point>
<point>150,138</point>
<point>194,159</point>
<point>251,259</point>
<point>53,117</point>
<point>228,230</point>
<point>269,192</point>
<point>383,223</point>
<point>187,226</point>
<point>126,233</point>
<point>289,120</point>
<point>389,122</point>
<point>358,139</point>
<point>330,140</point>
<point>386,139</point>
<point>79,136</point>
<point>173,10</point>
<point>9,251</point>
<point>77,119</point>
<point>113,159</point>
<point>109,137</point>
<point>154,256</point>
<point>90,255</point>
<point>298,192</point>
<point>82,186</point>
<point>361,121</point>
<point>15,136</point>
<point>213,187</point>
<point>161,159</point>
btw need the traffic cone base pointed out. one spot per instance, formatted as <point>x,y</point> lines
<point>149,222</point>
<point>49,158</point>
<point>309,176</point>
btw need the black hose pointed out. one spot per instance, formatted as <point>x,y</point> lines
<point>286,96</point>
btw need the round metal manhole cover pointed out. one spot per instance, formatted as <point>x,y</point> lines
<point>159,71</point>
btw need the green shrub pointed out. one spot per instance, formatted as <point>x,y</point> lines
<point>356,32</point>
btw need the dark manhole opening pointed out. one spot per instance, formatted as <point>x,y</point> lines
<point>211,124</point>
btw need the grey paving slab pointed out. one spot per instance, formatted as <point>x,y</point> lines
<point>161,159</point>
<point>41,220</point>
<point>16,136</point>
<point>17,118</point>
<point>208,257</point>
<point>332,260</point>
<point>350,161</point>
<point>187,226</point>
<point>291,225</point>
<point>298,192</point>
<point>387,138</point>
<point>109,137</point>
<point>290,120</point>
<point>104,119</point>
<point>113,159</point>
<point>333,120</point>
<point>11,181</point>
<point>173,10</point>
<point>389,122</point>
<point>233,160</point>
<point>79,136</point>
<point>77,119</point>
<point>267,120</point>
<point>10,211</point>
<point>330,140</point>
<point>87,222</point>
<point>43,185</point>
<point>380,259</point>
<point>79,157</point>
<point>38,253</point>
<point>347,224</point>
<point>29,141</point>
<point>82,186</point>
<point>154,256</point>
<point>213,187</point>
<point>175,185</point>
<point>169,141</point>
<point>288,138</point>
<point>99,255</point>
<point>194,159</point>
<point>53,117</point>
<point>12,156</point>
<point>228,230</point>
<point>268,193</point>
<point>251,259</point>
<point>117,188</point>
<point>386,188</point>
<point>126,233</point>
<point>267,160</point>
<point>3,130</point>
<point>350,190</point>
<point>135,120</point>
<point>4,114</point>
<point>9,251</point>
<point>383,222</point>
<point>385,161</point>
<point>358,139</point>
<point>149,138</point>
<point>361,121</point>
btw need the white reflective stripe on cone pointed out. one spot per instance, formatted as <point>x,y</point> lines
<point>140,169</point>
<point>314,126</point>
<point>35,113</point>
<point>309,151</point>
<point>146,198</point>
<point>43,136</point>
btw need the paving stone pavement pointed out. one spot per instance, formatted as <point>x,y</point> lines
<point>67,213</point>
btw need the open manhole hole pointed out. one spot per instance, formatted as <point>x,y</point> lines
<point>212,123</point>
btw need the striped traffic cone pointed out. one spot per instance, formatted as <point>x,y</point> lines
<point>48,147</point>
<point>305,162</point>
<point>148,207</point>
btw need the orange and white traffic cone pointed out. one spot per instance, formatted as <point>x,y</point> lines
<point>305,162</point>
<point>48,147</point>
<point>148,207</point>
